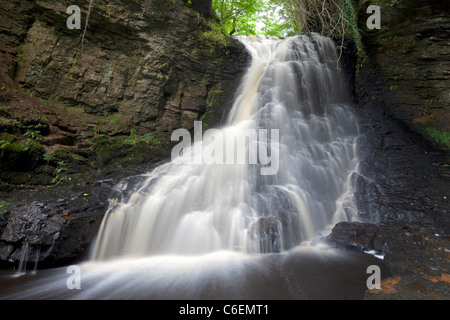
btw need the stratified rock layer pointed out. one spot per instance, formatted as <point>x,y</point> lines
<point>408,62</point>
<point>151,65</point>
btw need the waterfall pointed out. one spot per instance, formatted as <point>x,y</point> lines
<point>36,259</point>
<point>294,98</point>
<point>23,260</point>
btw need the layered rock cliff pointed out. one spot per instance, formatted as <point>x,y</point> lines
<point>408,63</point>
<point>139,70</point>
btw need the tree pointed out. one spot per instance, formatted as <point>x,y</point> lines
<point>256,17</point>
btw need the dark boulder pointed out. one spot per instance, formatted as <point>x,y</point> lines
<point>353,235</point>
<point>59,230</point>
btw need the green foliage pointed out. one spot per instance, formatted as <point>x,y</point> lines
<point>288,17</point>
<point>254,17</point>
<point>4,144</point>
<point>11,125</point>
<point>5,93</point>
<point>4,110</point>
<point>7,137</point>
<point>33,134</point>
<point>28,128</point>
<point>148,137</point>
<point>336,18</point>
<point>351,23</point>
<point>61,167</point>
<point>135,138</point>
<point>55,160</point>
<point>96,129</point>
<point>49,157</point>
<point>392,87</point>
<point>20,58</point>
<point>441,137</point>
<point>114,118</point>
<point>216,36</point>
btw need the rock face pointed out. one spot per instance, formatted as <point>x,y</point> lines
<point>53,231</point>
<point>407,62</point>
<point>354,235</point>
<point>416,255</point>
<point>151,65</point>
<point>266,234</point>
<point>142,70</point>
<point>402,176</point>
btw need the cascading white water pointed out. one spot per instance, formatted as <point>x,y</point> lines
<point>184,230</point>
<point>292,85</point>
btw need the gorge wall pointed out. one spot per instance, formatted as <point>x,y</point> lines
<point>402,90</point>
<point>408,65</point>
<point>143,68</point>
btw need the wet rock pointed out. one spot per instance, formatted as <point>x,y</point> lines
<point>353,235</point>
<point>60,229</point>
<point>417,255</point>
<point>33,224</point>
<point>265,232</point>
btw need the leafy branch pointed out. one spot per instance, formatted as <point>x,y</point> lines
<point>238,12</point>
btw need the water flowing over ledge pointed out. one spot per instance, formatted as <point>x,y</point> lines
<point>292,85</point>
<point>196,231</point>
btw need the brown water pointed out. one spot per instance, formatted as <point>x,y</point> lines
<point>301,273</point>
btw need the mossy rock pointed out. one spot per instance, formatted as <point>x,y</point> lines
<point>35,124</point>
<point>7,137</point>
<point>22,156</point>
<point>9,125</point>
<point>4,111</point>
<point>64,154</point>
<point>70,163</point>
<point>4,205</point>
<point>45,169</point>
<point>119,153</point>
<point>106,152</point>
